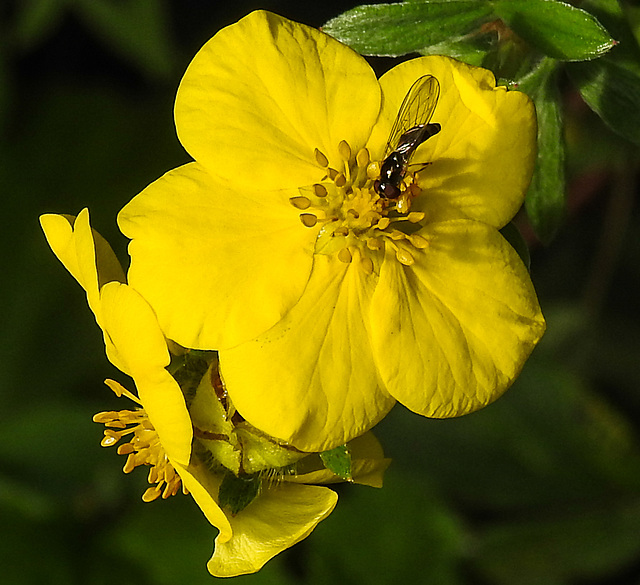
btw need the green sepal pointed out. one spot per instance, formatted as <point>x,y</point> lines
<point>338,461</point>
<point>546,199</point>
<point>556,29</point>
<point>401,28</point>
<point>237,492</point>
<point>188,369</point>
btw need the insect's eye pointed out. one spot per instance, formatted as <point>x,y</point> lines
<point>387,190</point>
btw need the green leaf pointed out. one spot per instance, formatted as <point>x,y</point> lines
<point>612,90</point>
<point>36,20</point>
<point>338,461</point>
<point>556,29</point>
<point>545,202</point>
<point>137,29</point>
<point>398,29</point>
<point>611,85</point>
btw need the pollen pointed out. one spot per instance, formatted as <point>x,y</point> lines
<point>351,217</point>
<point>143,448</point>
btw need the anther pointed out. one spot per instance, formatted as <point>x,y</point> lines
<point>374,244</point>
<point>344,255</point>
<point>320,190</point>
<point>418,241</point>
<point>362,158</point>
<point>367,264</point>
<point>340,180</point>
<point>353,213</point>
<point>345,150</point>
<point>300,202</point>
<point>152,493</point>
<point>125,449</point>
<point>343,230</point>
<point>383,223</point>
<point>404,257</point>
<point>321,159</point>
<point>332,174</point>
<point>308,219</point>
<point>415,216</point>
<point>373,170</point>
<point>109,440</point>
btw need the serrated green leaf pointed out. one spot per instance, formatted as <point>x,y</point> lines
<point>401,28</point>
<point>338,461</point>
<point>556,29</point>
<point>545,201</point>
<point>137,29</point>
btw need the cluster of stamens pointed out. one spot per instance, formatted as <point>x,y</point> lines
<point>143,448</point>
<point>355,221</point>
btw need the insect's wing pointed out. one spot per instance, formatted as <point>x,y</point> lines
<point>416,109</point>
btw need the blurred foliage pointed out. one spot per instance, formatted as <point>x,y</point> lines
<point>542,487</point>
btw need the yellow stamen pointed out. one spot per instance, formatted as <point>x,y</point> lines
<point>362,158</point>
<point>321,159</point>
<point>418,241</point>
<point>344,255</point>
<point>367,264</point>
<point>300,202</point>
<point>143,448</point>
<point>320,190</point>
<point>345,150</point>
<point>308,219</point>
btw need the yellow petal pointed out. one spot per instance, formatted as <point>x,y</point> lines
<point>483,157</point>
<point>132,326</point>
<point>91,261</point>
<point>311,379</point>
<point>276,520</point>
<point>82,251</point>
<point>203,487</point>
<point>264,93</point>
<point>452,331</point>
<point>218,266</point>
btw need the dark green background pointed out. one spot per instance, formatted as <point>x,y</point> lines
<point>541,488</point>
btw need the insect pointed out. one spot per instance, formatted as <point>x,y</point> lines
<point>410,129</point>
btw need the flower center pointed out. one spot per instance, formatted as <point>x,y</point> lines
<point>144,447</point>
<point>355,221</point>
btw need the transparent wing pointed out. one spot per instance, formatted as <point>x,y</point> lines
<point>416,109</point>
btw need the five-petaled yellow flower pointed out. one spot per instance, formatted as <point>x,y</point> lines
<point>328,303</point>
<point>240,478</point>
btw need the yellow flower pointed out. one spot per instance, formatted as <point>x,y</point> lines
<point>327,302</point>
<point>253,489</point>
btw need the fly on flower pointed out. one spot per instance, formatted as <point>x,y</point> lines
<point>410,129</point>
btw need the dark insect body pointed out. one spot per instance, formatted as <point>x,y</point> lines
<point>410,129</point>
